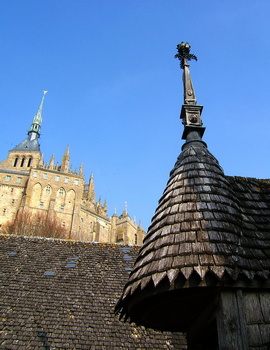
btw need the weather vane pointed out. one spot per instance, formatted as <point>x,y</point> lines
<point>184,54</point>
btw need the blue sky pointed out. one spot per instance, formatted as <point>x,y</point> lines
<point>115,89</point>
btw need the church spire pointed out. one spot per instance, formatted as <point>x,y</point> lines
<point>34,131</point>
<point>191,112</point>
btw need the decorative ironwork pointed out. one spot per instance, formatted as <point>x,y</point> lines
<point>184,54</point>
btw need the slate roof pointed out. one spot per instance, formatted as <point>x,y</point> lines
<point>57,294</point>
<point>208,229</point>
<point>27,145</point>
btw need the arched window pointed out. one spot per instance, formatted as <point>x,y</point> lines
<point>61,192</point>
<point>16,161</point>
<point>22,162</point>
<point>48,189</point>
<point>29,162</point>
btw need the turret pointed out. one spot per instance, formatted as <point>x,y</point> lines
<point>204,262</point>
<point>154,295</point>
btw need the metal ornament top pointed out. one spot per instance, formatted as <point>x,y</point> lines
<point>184,55</point>
<point>190,112</point>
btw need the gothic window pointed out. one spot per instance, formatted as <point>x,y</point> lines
<point>48,189</point>
<point>8,178</point>
<point>19,180</point>
<point>29,162</point>
<point>22,162</point>
<point>61,192</point>
<point>15,161</point>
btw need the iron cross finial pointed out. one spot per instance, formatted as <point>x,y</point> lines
<point>184,54</point>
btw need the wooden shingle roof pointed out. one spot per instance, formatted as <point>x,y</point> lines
<point>57,294</point>
<point>208,230</point>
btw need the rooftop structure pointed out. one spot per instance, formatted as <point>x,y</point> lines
<point>204,266</point>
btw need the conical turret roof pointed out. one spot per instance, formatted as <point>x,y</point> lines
<point>209,230</point>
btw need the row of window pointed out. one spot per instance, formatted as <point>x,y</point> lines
<point>57,178</point>
<point>5,210</point>
<point>23,162</point>
<point>61,191</point>
<point>19,179</point>
<point>61,208</point>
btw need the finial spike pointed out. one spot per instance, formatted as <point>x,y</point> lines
<point>184,56</point>
<point>67,151</point>
<point>191,112</point>
<point>81,169</point>
<point>51,164</point>
<point>91,180</point>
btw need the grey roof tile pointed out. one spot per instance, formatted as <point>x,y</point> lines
<point>74,308</point>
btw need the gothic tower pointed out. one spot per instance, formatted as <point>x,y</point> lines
<point>28,187</point>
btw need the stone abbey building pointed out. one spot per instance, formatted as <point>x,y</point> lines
<point>27,185</point>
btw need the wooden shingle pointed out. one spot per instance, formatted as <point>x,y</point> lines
<point>73,308</point>
<point>220,223</point>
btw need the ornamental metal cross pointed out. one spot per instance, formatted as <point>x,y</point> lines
<point>184,54</point>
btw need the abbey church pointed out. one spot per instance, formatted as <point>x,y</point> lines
<point>28,185</point>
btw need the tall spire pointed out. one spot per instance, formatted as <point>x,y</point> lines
<point>191,112</point>
<point>34,131</point>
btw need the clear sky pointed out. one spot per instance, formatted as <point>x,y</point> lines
<point>115,89</point>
